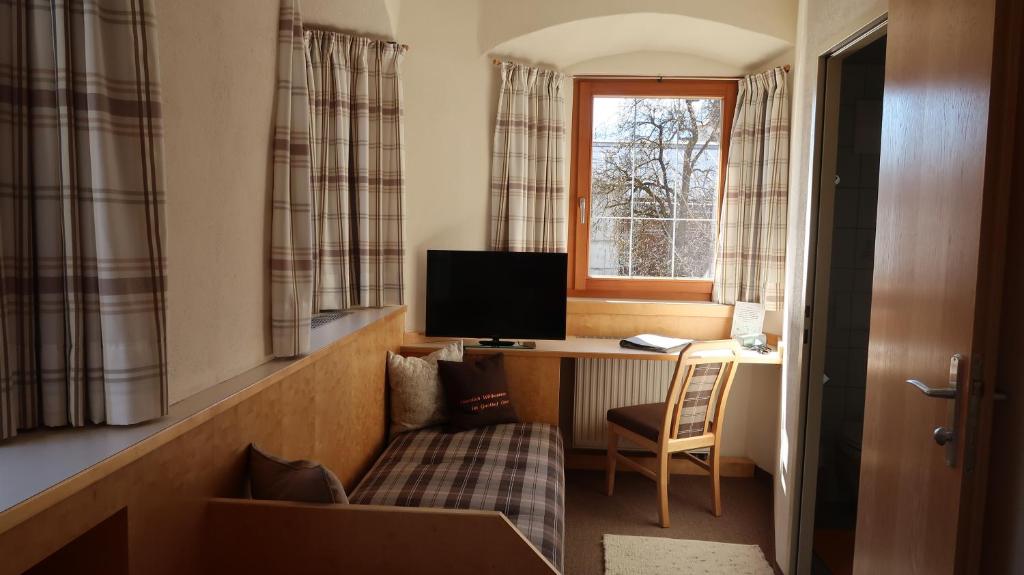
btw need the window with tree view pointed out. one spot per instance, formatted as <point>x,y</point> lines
<point>655,177</point>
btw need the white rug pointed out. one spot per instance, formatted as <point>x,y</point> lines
<point>629,555</point>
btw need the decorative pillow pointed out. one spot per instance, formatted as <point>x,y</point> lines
<point>477,393</point>
<point>417,398</point>
<point>271,477</point>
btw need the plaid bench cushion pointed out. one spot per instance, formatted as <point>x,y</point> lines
<point>516,468</point>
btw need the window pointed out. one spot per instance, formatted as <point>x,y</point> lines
<point>647,175</point>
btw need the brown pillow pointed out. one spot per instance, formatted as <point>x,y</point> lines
<point>477,393</point>
<point>271,477</point>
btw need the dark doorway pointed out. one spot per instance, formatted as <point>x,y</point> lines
<point>849,269</point>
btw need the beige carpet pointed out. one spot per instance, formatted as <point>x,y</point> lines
<point>632,555</point>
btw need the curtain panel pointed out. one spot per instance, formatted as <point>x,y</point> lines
<point>528,201</point>
<point>82,255</point>
<point>291,243</point>
<point>750,262</point>
<point>358,170</point>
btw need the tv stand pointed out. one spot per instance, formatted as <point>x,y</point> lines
<point>495,342</point>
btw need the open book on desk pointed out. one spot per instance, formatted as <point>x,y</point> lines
<point>656,343</point>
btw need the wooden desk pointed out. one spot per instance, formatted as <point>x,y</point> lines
<point>579,347</point>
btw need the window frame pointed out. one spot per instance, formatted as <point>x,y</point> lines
<point>584,90</point>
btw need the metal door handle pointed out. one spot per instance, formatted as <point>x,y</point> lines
<point>946,435</point>
<point>943,435</point>
<point>583,210</point>
<point>939,392</point>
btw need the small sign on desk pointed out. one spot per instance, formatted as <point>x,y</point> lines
<point>747,319</point>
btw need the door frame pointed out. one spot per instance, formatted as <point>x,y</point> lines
<point>1002,180</point>
<point>825,137</point>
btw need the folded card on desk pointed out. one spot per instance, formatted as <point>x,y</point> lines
<point>658,343</point>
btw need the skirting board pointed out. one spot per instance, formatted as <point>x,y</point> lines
<point>731,466</point>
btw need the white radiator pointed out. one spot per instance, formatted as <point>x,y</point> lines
<point>603,384</point>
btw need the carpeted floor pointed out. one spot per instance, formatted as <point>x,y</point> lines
<point>633,510</point>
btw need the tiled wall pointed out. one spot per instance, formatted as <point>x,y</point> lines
<point>852,252</point>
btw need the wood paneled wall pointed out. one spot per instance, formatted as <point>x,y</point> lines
<point>604,318</point>
<point>329,406</point>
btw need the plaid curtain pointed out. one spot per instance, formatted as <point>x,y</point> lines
<point>291,243</point>
<point>528,202</point>
<point>82,256</point>
<point>358,170</point>
<point>751,258</point>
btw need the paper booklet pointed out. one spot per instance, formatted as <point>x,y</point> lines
<point>658,343</point>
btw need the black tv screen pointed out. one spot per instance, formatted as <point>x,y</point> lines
<point>511,295</point>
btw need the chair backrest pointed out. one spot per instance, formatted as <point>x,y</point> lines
<point>700,387</point>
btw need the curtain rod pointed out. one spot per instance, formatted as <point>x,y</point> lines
<point>640,77</point>
<point>643,77</point>
<point>498,62</point>
<point>404,47</point>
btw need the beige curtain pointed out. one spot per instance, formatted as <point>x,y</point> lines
<point>358,170</point>
<point>528,202</point>
<point>82,256</point>
<point>751,258</point>
<point>291,247</point>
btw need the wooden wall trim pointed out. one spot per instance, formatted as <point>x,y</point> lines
<point>274,537</point>
<point>329,406</point>
<point>640,307</point>
<point>618,318</point>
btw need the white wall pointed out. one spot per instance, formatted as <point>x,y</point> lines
<point>822,24</point>
<point>450,105</point>
<point>218,67</point>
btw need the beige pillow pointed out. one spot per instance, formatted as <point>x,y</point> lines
<point>271,477</point>
<point>417,398</point>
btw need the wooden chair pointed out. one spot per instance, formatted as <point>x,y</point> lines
<point>691,417</point>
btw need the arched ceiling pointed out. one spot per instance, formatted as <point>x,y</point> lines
<point>655,64</point>
<point>565,44</point>
<point>501,21</point>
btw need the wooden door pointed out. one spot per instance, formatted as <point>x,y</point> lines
<point>939,249</point>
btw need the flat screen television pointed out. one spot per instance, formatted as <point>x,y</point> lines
<point>496,295</point>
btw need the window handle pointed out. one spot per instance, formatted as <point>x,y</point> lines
<point>583,211</point>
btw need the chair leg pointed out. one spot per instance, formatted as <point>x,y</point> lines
<point>613,449</point>
<point>663,478</point>
<point>716,492</point>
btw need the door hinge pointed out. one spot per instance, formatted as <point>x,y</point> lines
<point>807,335</point>
<point>977,391</point>
<point>807,311</point>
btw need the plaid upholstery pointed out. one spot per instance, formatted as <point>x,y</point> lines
<point>751,258</point>
<point>513,468</point>
<point>82,252</point>
<point>697,399</point>
<point>358,170</point>
<point>528,201</point>
<point>291,242</point>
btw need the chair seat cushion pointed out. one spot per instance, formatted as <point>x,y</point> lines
<point>644,420</point>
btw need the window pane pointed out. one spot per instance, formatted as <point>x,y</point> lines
<point>695,249</point>
<point>611,160</point>
<point>609,247</point>
<point>652,249</point>
<point>655,167</point>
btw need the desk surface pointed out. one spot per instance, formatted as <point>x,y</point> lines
<point>582,347</point>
